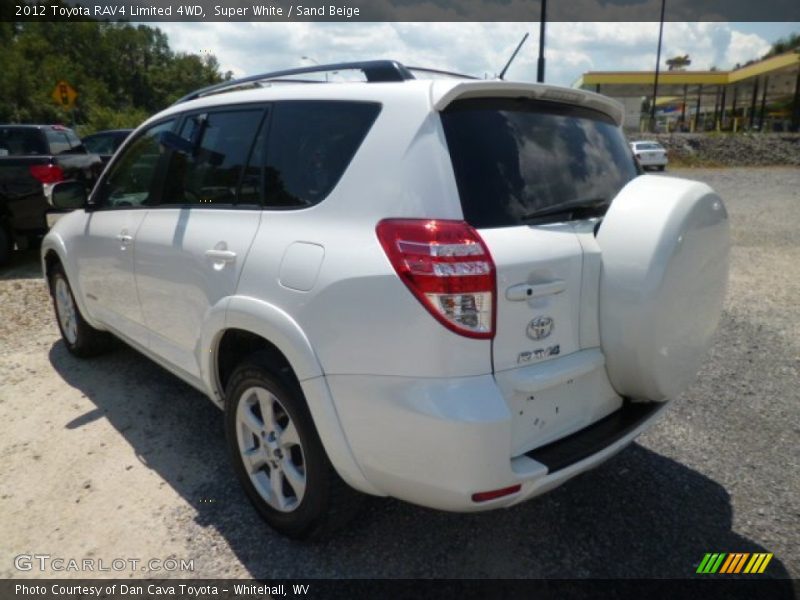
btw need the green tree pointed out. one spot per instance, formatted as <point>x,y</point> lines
<point>791,42</point>
<point>678,63</point>
<point>123,73</point>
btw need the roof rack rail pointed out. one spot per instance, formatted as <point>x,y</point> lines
<point>441,72</point>
<point>374,71</point>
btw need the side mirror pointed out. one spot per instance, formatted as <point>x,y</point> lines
<point>66,195</point>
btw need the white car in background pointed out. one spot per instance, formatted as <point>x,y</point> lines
<point>651,155</point>
<point>444,291</point>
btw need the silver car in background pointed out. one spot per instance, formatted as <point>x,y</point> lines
<point>650,155</point>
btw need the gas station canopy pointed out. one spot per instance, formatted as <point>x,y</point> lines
<point>748,89</point>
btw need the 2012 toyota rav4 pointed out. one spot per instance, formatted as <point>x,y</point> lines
<point>455,292</point>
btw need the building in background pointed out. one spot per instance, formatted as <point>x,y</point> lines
<point>761,96</point>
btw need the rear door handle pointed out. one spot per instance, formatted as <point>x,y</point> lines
<point>221,255</point>
<point>125,238</point>
<point>526,291</point>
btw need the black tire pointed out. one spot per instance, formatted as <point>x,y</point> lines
<point>661,167</point>
<point>6,244</point>
<point>86,340</point>
<point>327,502</point>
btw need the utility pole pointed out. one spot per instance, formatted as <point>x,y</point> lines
<point>658,68</point>
<point>542,21</point>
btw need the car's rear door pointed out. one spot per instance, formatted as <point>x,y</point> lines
<point>191,247</point>
<point>514,160</point>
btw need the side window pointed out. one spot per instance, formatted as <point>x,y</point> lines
<point>130,182</point>
<point>21,141</point>
<point>310,145</point>
<point>210,172</point>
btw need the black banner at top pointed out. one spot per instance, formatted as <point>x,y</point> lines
<point>399,10</point>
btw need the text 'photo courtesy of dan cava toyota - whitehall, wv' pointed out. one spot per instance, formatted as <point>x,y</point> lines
<point>516,289</point>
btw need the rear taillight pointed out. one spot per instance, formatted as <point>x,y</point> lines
<point>448,268</point>
<point>47,173</point>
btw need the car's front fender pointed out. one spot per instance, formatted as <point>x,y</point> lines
<point>54,242</point>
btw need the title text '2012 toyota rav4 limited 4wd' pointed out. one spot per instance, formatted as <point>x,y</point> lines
<point>455,292</point>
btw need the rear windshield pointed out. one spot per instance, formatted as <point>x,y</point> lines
<point>648,146</point>
<point>21,141</point>
<point>512,157</point>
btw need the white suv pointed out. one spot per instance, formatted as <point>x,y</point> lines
<point>455,292</point>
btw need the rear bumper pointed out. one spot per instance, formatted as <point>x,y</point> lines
<point>585,449</point>
<point>436,442</point>
<point>654,162</point>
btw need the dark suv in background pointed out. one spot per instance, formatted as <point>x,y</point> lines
<point>33,157</point>
<point>105,143</point>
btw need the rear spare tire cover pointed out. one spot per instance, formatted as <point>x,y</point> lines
<point>664,244</point>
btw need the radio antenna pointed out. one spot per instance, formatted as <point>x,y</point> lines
<point>513,56</point>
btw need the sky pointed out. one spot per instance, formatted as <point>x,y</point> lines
<point>476,48</point>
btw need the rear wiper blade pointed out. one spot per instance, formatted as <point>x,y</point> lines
<point>590,205</point>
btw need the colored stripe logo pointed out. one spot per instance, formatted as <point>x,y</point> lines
<point>734,562</point>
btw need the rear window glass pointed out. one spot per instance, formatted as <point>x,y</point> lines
<point>512,157</point>
<point>21,141</point>
<point>649,147</point>
<point>310,145</point>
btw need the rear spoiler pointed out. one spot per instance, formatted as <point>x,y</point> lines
<point>444,93</point>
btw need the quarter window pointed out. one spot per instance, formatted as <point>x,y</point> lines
<point>310,145</point>
<point>59,143</point>
<point>74,140</point>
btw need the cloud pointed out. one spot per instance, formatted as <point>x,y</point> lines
<point>744,47</point>
<point>476,48</point>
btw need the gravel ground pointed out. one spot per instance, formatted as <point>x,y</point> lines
<point>114,458</point>
<point>729,150</point>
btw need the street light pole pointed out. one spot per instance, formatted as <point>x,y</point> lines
<point>658,68</point>
<point>542,21</point>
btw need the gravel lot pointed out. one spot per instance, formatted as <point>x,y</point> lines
<point>114,458</point>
